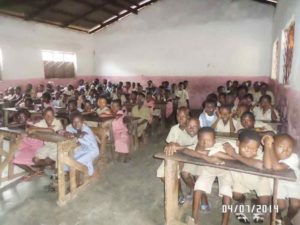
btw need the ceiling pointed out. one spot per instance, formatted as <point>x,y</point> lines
<point>83,15</point>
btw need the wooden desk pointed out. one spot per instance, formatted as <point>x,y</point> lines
<point>232,136</point>
<point>171,180</point>
<point>7,110</point>
<point>274,124</point>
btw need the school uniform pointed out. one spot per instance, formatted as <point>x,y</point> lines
<point>88,149</point>
<point>183,96</point>
<point>144,114</point>
<point>289,189</point>
<point>120,133</point>
<point>206,120</point>
<point>208,175</point>
<point>267,116</point>
<point>49,149</point>
<point>176,135</point>
<point>221,127</point>
<point>257,125</point>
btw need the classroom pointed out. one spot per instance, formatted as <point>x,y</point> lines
<point>152,112</point>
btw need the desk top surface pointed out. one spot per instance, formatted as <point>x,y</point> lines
<point>12,109</point>
<point>232,166</point>
<point>227,135</point>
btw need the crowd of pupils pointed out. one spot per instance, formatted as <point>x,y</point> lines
<point>100,99</point>
<point>246,110</point>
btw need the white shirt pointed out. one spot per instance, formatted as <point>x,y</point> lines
<point>260,115</point>
<point>221,127</point>
<point>183,97</point>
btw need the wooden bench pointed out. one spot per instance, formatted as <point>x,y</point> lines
<point>65,157</point>
<point>171,180</point>
<point>6,112</point>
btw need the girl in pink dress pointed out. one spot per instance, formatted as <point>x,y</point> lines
<point>120,132</point>
<point>28,146</point>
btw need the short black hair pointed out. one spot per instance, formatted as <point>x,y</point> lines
<point>46,95</point>
<point>48,109</point>
<point>76,115</point>
<point>206,130</point>
<point>225,107</point>
<point>249,96</point>
<point>267,97</point>
<point>248,134</point>
<point>23,111</point>
<point>212,96</point>
<point>249,114</point>
<point>117,101</point>
<point>287,136</point>
<point>210,101</point>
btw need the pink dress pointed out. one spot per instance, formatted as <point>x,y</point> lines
<point>120,133</point>
<point>28,149</point>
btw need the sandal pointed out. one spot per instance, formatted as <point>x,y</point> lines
<point>242,218</point>
<point>258,218</point>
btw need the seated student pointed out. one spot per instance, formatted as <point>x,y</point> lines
<point>264,90</point>
<point>88,148</point>
<point>230,97</point>
<point>28,146</point>
<point>40,91</point>
<point>177,136</point>
<point>239,112</point>
<point>221,99</point>
<point>228,86</point>
<point>88,108</point>
<point>46,155</point>
<point>208,116</point>
<point>46,101</point>
<point>207,149</point>
<point>143,113</point>
<point>220,90</point>
<point>248,151</point>
<point>248,121</point>
<point>225,122</point>
<point>103,109</point>
<point>29,90</point>
<point>57,102</point>
<point>120,132</point>
<point>189,170</point>
<point>265,111</point>
<point>279,156</point>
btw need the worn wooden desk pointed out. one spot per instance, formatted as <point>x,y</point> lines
<point>171,180</point>
<point>65,157</point>
<point>274,124</point>
<point>232,136</point>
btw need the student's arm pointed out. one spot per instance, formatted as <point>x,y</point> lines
<point>267,141</point>
<point>232,127</point>
<point>199,155</point>
<point>274,116</point>
<point>258,164</point>
<point>214,125</point>
<point>222,155</point>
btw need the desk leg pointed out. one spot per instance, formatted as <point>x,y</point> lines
<point>274,211</point>
<point>171,191</point>
<point>5,118</point>
<point>61,176</point>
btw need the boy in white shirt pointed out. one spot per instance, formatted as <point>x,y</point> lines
<point>208,116</point>
<point>279,156</point>
<point>265,111</point>
<point>225,122</point>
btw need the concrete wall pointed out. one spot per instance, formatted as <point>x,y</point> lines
<point>21,43</point>
<point>198,38</point>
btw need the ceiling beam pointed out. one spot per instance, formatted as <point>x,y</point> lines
<point>92,5</point>
<point>119,5</point>
<point>102,25</point>
<point>81,16</point>
<point>41,9</point>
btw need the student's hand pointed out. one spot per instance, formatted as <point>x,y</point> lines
<point>229,149</point>
<point>267,140</point>
<point>215,160</point>
<point>171,148</point>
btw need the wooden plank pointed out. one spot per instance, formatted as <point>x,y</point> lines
<point>76,165</point>
<point>233,136</point>
<point>48,137</point>
<point>275,190</point>
<point>61,175</point>
<point>171,191</point>
<point>232,166</point>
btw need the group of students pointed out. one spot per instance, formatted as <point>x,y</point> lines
<point>65,109</point>
<point>234,109</point>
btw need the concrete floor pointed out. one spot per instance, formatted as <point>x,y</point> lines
<point>127,194</point>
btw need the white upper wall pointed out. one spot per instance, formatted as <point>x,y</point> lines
<point>22,41</point>
<point>195,37</point>
<point>287,10</point>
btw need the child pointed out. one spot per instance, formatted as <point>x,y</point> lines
<point>248,121</point>
<point>242,108</point>
<point>225,122</point>
<point>46,100</point>
<point>221,99</point>
<point>265,111</point>
<point>28,146</point>
<point>182,96</point>
<point>46,155</point>
<point>279,156</point>
<point>120,132</point>
<point>205,147</point>
<point>103,109</point>
<point>247,150</point>
<point>88,149</point>
<point>208,116</point>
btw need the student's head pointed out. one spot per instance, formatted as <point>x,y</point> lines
<point>18,90</point>
<point>133,96</point>
<point>284,146</point>
<point>22,116</point>
<point>265,101</point>
<point>249,98</point>
<point>248,143</point>
<point>41,88</point>
<point>72,105</point>
<point>77,120</point>
<point>116,105</point>
<point>185,84</point>
<point>102,102</point>
<point>228,84</point>
<point>81,82</point>
<point>180,86</point>
<point>241,109</point>
<point>256,86</point>
<point>212,96</point>
<point>140,99</point>
<point>182,116</point>
<point>46,97</point>
<point>235,84</point>
<point>222,98</point>
<point>88,107</point>
<point>28,102</point>
<point>225,113</point>
<point>193,126</point>
<point>28,87</point>
<point>248,120</point>
<point>220,90</point>
<point>242,91</point>
<point>206,137</point>
<point>263,88</point>
<point>230,99</point>
<point>48,115</point>
<point>210,107</point>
